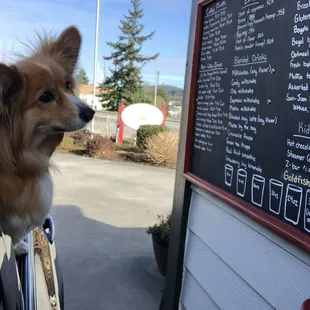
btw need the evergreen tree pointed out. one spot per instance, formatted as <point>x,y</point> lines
<point>125,81</point>
<point>143,96</point>
<point>82,77</point>
<point>163,94</point>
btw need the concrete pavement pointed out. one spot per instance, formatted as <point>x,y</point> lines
<point>101,212</point>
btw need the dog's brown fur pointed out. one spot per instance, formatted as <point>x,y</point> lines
<point>30,129</point>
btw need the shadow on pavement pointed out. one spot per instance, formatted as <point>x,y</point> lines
<point>105,267</point>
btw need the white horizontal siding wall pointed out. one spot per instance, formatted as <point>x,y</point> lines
<point>232,262</point>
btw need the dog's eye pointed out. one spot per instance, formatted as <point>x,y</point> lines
<point>47,97</point>
<point>68,85</point>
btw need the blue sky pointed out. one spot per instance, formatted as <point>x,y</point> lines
<point>170,18</point>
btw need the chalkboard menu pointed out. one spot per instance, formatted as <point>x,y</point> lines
<point>251,123</point>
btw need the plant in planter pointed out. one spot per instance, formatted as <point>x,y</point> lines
<point>160,236</point>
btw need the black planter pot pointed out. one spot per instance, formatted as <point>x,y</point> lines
<point>160,249</point>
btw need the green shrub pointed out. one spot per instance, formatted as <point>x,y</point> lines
<point>99,147</point>
<point>145,132</point>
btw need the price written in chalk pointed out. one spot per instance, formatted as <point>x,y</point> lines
<point>252,104</point>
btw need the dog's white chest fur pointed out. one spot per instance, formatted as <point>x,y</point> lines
<point>45,200</point>
<point>18,227</point>
<point>46,186</point>
<point>46,190</point>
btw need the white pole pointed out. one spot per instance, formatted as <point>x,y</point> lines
<point>104,70</point>
<point>95,63</point>
<point>156,80</point>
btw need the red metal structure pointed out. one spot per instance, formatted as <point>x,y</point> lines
<point>305,305</point>
<point>120,123</point>
<point>164,111</point>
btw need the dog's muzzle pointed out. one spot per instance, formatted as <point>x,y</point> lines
<point>85,112</point>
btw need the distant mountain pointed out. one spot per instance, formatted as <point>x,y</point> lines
<point>171,87</point>
<point>175,93</point>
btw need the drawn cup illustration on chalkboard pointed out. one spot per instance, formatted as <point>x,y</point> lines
<point>229,171</point>
<point>307,212</point>
<point>275,195</point>
<point>258,187</point>
<point>292,205</point>
<point>241,182</point>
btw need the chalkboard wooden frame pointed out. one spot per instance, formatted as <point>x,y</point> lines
<point>290,233</point>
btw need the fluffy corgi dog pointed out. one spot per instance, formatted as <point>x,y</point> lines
<point>37,106</point>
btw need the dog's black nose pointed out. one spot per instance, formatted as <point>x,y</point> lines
<point>86,114</point>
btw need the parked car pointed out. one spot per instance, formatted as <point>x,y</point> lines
<point>33,281</point>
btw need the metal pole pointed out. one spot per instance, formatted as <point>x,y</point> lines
<point>156,80</point>
<point>104,70</point>
<point>95,63</point>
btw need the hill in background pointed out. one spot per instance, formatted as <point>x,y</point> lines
<point>175,93</point>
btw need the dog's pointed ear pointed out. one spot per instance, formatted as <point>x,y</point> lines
<point>68,46</point>
<point>10,83</point>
